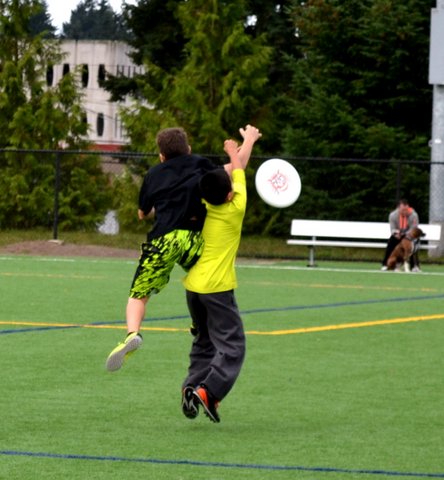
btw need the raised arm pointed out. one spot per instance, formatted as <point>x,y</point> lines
<point>250,135</point>
<point>232,150</point>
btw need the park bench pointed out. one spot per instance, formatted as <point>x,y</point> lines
<point>332,233</point>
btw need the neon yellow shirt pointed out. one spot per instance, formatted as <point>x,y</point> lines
<point>214,271</point>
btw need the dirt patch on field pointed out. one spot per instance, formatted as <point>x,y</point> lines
<point>59,249</point>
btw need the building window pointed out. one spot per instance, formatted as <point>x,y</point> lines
<point>65,69</point>
<point>85,75</point>
<point>100,124</point>
<point>85,122</point>
<point>50,75</point>
<point>101,75</point>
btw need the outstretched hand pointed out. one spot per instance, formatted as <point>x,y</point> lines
<point>239,157</point>
<point>250,133</point>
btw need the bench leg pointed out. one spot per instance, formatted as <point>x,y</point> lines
<point>311,257</point>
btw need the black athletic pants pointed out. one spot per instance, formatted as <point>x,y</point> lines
<point>218,349</point>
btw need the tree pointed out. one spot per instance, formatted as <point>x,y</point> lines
<point>156,33</point>
<point>156,37</point>
<point>360,82</point>
<point>359,90</point>
<point>338,78</point>
<point>41,22</point>
<point>273,20</point>
<point>218,87</point>
<point>24,58</point>
<point>95,20</point>
<point>34,116</point>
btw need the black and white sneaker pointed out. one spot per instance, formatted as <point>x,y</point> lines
<point>190,406</point>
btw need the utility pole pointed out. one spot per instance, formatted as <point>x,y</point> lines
<point>436,78</point>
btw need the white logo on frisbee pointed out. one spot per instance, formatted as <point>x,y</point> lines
<point>278,183</point>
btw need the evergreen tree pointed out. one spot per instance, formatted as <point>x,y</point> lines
<point>217,89</point>
<point>273,20</point>
<point>156,33</point>
<point>41,22</point>
<point>156,37</point>
<point>34,116</point>
<point>359,90</point>
<point>360,83</point>
<point>95,20</point>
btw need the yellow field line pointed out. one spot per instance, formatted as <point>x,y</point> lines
<point>77,325</point>
<point>295,331</point>
<point>343,326</point>
<point>342,286</point>
<point>51,275</point>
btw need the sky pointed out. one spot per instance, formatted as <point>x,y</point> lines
<point>60,10</point>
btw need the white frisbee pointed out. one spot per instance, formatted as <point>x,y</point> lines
<point>278,183</point>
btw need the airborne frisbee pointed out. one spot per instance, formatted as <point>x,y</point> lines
<point>278,183</point>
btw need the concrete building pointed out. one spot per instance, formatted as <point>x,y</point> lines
<point>93,58</point>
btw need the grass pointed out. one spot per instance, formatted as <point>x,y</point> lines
<point>349,398</point>
<point>123,240</point>
<point>251,246</point>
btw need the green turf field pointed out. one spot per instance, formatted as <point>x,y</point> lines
<point>343,379</point>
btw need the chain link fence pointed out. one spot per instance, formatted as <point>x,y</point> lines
<point>58,187</point>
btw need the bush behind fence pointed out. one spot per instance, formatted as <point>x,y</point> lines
<point>73,190</point>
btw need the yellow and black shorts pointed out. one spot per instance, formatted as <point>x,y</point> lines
<point>158,258</point>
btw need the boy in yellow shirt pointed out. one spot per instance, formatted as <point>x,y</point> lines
<point>218,348</point>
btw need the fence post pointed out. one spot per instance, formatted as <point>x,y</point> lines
<point>398,180</point>
<point>56,195</point>
<point>436,78</point>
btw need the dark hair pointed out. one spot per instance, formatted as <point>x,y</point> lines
<point>215,186</point>
<point>173,142</point>
<point>403,201</point>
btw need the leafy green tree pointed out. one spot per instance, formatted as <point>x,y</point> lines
<point>95,20</point>
<point>216,90</point>
<point>158,37</point>
<point>34,116</point>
